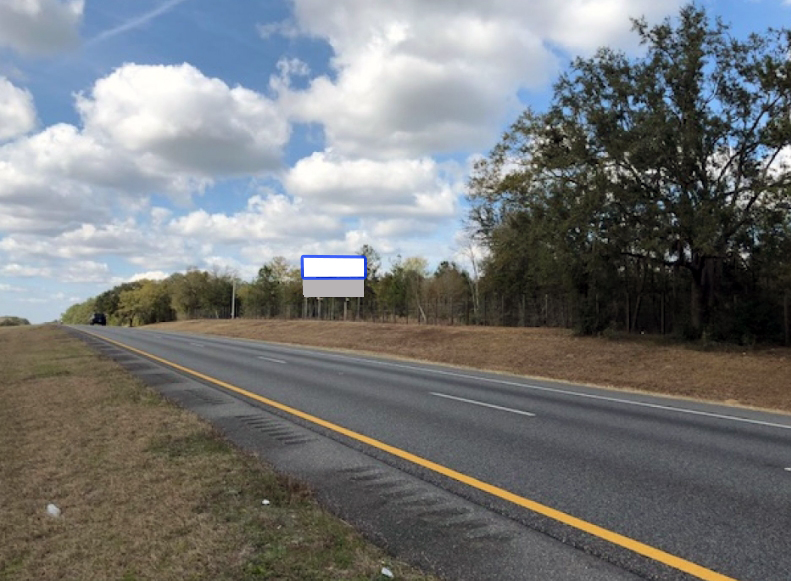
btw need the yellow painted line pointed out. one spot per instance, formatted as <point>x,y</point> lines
<point>567,519</point>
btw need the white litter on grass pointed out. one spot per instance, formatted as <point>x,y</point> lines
<point>265,502</point>
<point>53,510</point>
<point>387,573</point>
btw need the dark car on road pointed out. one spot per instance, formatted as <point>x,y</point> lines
<point>98,319</point>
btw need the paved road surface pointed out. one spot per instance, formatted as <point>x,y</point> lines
<point>708,485</point>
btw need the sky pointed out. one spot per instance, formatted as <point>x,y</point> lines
<point>139,138</point>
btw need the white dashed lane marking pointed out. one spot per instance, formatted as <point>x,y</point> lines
<point>480,403</point>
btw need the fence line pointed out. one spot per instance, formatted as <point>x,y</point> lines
<point>561,310</point>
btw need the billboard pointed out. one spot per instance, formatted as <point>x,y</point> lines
<point>333,275</point>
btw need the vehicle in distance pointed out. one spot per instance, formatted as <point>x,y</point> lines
<point>98,319</point>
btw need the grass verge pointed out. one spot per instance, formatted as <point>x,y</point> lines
<point>756,378</point>
<point>147,490</point>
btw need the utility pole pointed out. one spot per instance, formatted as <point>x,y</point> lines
<point>233,300</point>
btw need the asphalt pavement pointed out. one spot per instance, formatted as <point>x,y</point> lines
<point>529,479</point>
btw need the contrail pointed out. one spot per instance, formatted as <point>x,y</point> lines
<point>135,22</point>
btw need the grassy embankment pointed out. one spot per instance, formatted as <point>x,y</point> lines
<point>147,490</point>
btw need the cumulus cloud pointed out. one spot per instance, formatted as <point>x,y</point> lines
<point>149,249</point>
<point>17,112</point>
<point>56,179</point>
<point>24,270</point>
<point>40,26</point>
<point>177,119</point>
<point>413,78</point>
<point>365,187</point>
<point>272,217</point>
<point>148,275</point>
<point>85,271</point>
<point>146,129</point>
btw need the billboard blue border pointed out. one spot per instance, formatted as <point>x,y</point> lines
<point>304,256</point>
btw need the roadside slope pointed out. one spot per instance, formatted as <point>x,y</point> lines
<point>147,490</point>
<point>749,378</point>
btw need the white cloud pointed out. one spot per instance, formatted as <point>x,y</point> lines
<point>149,275</point>
<point>272,217</point>
<point>148,249</point>
<point>585,25</point>
<point>40,26</point>
<point>17,112</point>
<point>289,68</point>
<point>84,271</point>
<point>25,271</point>
<point>167,129</point>
<point>351,241</point>
<point>178,120</point>
<point>364,187</point>
<point>285,28</point>
<point>414,78</point>
<point>9,288</point>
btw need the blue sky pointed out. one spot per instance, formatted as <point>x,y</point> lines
<point>142,137</point>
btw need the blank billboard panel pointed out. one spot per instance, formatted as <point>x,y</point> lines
<point>333,275</point>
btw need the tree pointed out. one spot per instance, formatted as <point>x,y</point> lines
<point>374,262</point>
<point>149,303</point>
<point>664,162</point>
<point>108,301</point>
<point>200,293</point>
<point>415,271</point>
<point>8,321</point>
<point>80,313</point>
<point>267,294</point>
<point>392,288</point>
<point>449,282</point>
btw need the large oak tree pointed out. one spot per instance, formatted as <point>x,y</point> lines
<point>675,159</point>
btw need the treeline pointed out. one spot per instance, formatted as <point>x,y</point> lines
<point>181,295</point>
<point>13,321</point>
<point>654,193</point>
<point>406,288</point>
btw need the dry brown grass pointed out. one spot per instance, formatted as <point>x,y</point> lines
<point>749,378</point>
<point>147,490</point>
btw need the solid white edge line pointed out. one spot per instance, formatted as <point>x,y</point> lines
<point>271,359</point>
<point>488,405</point>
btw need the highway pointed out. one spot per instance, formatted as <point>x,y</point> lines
<point>650,487</point>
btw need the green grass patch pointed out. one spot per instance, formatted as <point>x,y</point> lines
<point>195,444</point>
<point>147,490</point>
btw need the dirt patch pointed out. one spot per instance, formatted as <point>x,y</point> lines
<point>146,490</point>
<point>749,378</point>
